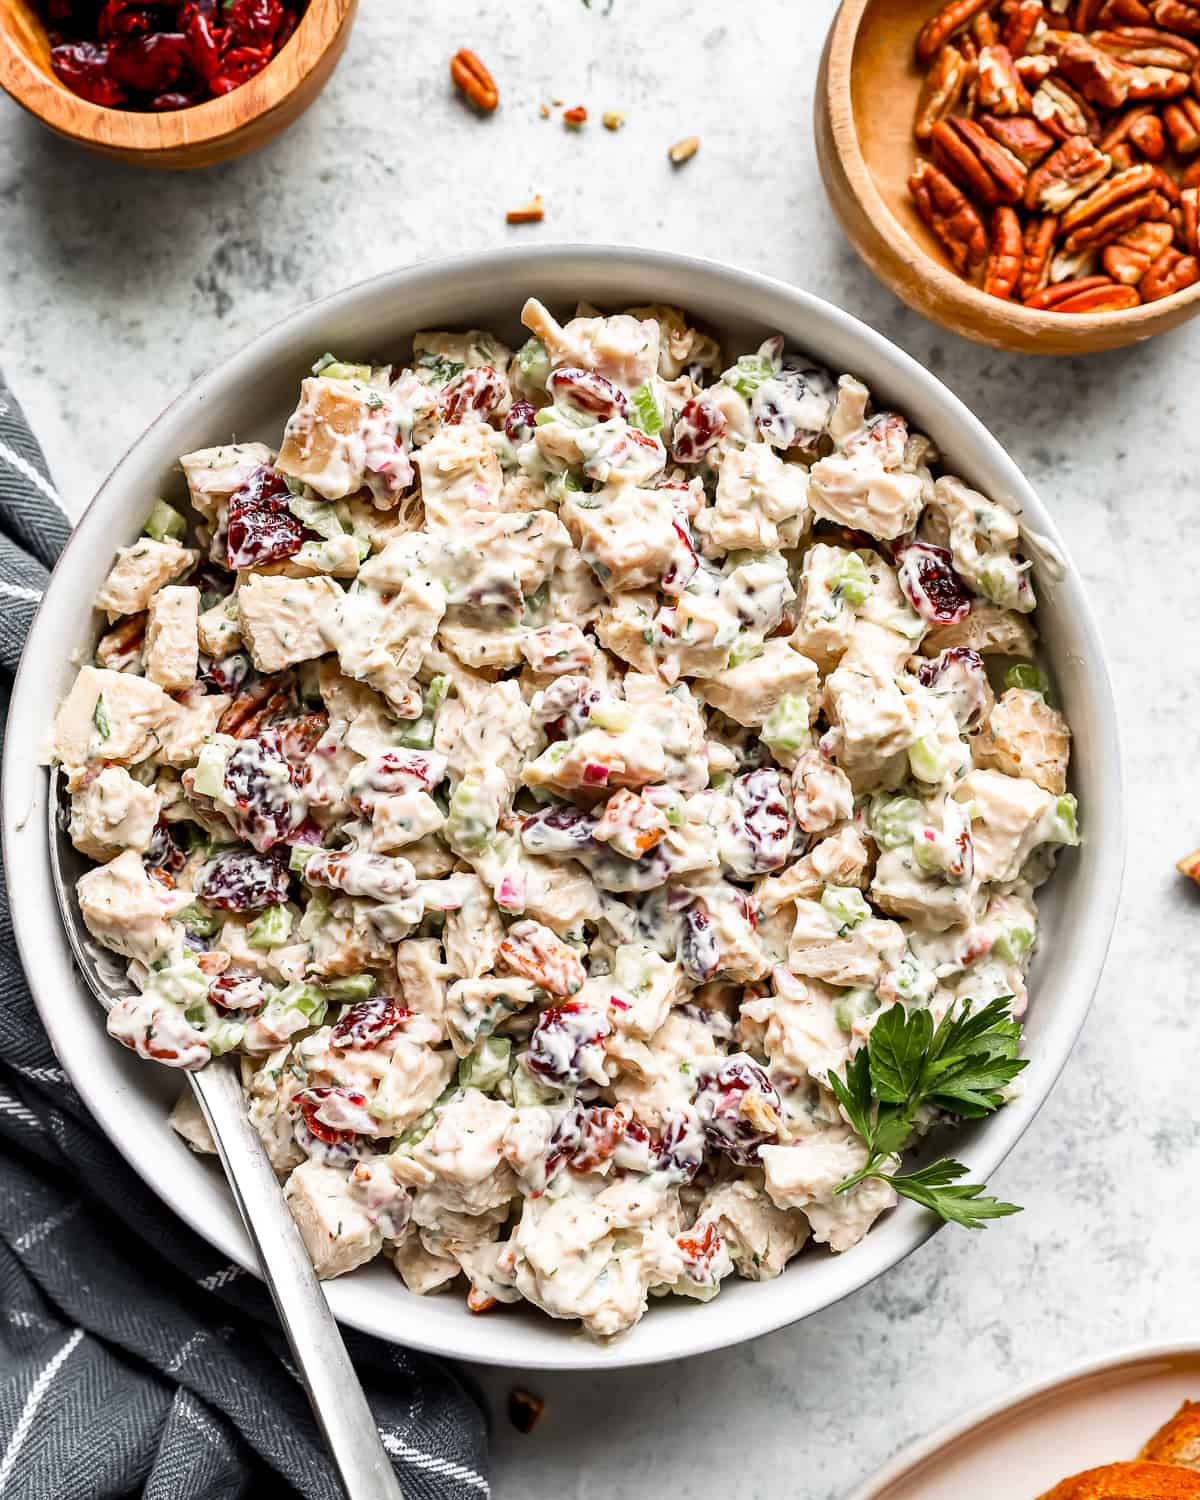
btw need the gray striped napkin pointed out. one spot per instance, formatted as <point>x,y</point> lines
<point>133,1359</point>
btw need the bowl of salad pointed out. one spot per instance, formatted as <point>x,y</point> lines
<point>621,753</point>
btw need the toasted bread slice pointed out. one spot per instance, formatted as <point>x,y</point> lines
<point>1129,1481</point>
<point>1177,1441</point>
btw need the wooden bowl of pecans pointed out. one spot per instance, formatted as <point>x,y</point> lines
<point>1024,172</point>
<point>253,99</point>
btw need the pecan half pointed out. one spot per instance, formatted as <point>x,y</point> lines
<point>1122,156</point>
<point>1023,136</point>
<point>1051,296</point>
<point>1155,83</point>
<point>1039,240</point>
<point>1000,88</point>
<point>1098,77</point>
<point>1169,273</point>
<point>977,163</point>
<point>1130,255</point>
<point>941,89</point>
<point>1145,47</point>
<point>1148,136</point>
<point>1075,168</point>
<point>1123,12</point>
<point>474,81</point>
<point>1034,70</point>
<point>1189,202</point>
<point>1021,24</point>
<point>1085,12</point>
<point>983,29</point>
<point>1063,112</point>
<point>1143,208</point>
<point>1173,15</point>
<point>1182,121</point>
<point>1112,297</point>
<point>949,215</point>
<point>1114,190</point>
<point>1004,264</point>
<point>940,28</point>
<point>1190,176</point>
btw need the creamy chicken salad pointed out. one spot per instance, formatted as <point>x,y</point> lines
<point>545,769</point>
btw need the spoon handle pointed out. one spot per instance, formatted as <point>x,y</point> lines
<point>329,1377</point>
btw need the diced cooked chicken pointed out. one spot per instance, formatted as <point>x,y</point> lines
<point>825,615</point>
<point>172,648</point>
<point>218,629</point>
<point>1024,736</point>
<point>334,1225</point>
<point>859,492</point>
<point>623,349</point>
<point>341,437</point>
<point>988,630</point>
<point>761,1238</point>
<point>874,722</point>
<point>459,472</point>
<point>825,947</point>
<point>109,716</point>
<point>127,911</point>
<point>805,1175</point>
<point>213,474</point>
<point>193,721</point>
<point>627,534</point>
<point>761,503</point>
<point>747,693</point>
<point>287,620</point>
<point>821,793</point>
<point>112,812</point>
<point>1007,821</point>
<point>139,572</point>
<point>982,537</point>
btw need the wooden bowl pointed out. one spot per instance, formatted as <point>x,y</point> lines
<point>866,97</point>
<point>196,137</point>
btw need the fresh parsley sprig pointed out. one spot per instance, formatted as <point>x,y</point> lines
<point>961,1067</point>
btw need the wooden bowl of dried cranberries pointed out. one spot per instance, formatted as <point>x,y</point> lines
<point>1024,172</point>
<point>170,83</point>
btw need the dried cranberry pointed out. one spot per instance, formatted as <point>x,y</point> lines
<point>150,63</point>
<point>298,737</point>
<point>519,423</point>
<point>243,880</point>
<point>475,393</point>
<point>83,67</point>
<point>698,949</point>
<point>255,22</point>
<point>369,1022</point>
<point>261,528</point>
<point>238,66</point>
<point>172,101</point>
<point>310,1102</point>
<point>120,18</point>
<point>235,991</point>
<point>736,1101</point>
<point>763,832</point>
<point>203,42</point>
<point>567,1043</point>
<point>588,392</point>
<point>262,782</point>
<point>586,1137</point>
<point>932,586</point>
<point>679,1149</point>
<point>701,423</point>
<point>163,851</point>
<point>226,675</point>
<point>559,829</point>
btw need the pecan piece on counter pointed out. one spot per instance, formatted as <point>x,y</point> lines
<point>1131,254</point>
<point>1021,135</point>
<point>1000,88</point>
<point>940,28</point>
<point>1021,24</point>
<point>1143,46</point>
<point>1004,264</point>
<point>977,163</point>
<point>1182,121</point>
<point>1190,866</point>
<point>1169,272</point>
<point>1098,77</point>
<point>474,81</point>
<point>946,211</point>
<point>1173,15</point>
<point>1063,112</point>
<point>1075,168</point>
<point>1063,291</point>
<point>941,89</point>
<point>1038,244</point>
<point>1113,297</point>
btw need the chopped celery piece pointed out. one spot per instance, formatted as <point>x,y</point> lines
<point>417,734</point>
<point>423,1124</point>
<point>334,369</point>
<point>612,715</point>
<point>535,603</point>
<point>527,1090</point>
<point>271,928</point>
<point>915,982</point>
<point>100,718</point>
<point>644,412</point>
<point>300,855</point>
<point>318,515</point>
<point>746,648</point>
<point>316,914</point>
<point>927,759</point>
<point>748,374</point>
<point>199,920</point>
<point>786,726</point>
<point>225,1036</point>
<point>1029,677</point>
<point>165,524</point>
<point>928,852</point>
<point>308,999</point>
<point>323,362</point>
<point>209,776</point>
<point>533,363</point>
<point>1013,944</point>
<point>351,987</point>
<point>547,414</point>
<point>466,827</point>
<point>850,580</point>
<point>559,486</point>
<point>486,1064</point>
<point>893,820</point>
<point>845,906</point>
<point>1062,823</point>
<point>852,1005</point>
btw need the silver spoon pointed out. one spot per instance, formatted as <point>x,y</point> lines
<point>329,1378</point>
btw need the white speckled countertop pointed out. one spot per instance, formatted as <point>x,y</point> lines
<point>117,288</point>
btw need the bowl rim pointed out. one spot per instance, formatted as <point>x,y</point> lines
<point>151,134</point>
<point>42,942</point>
<point>945,286</point>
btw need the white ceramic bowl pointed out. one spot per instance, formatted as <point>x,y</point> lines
<point>250,396</point>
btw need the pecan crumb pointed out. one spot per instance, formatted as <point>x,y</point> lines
<point>684,150</point>
<point>613,119</point>
<point>524,1408</point>
<point>532,212</point>
<point>1190,866</point>
<point>574,118</point>
<point>544,111</point>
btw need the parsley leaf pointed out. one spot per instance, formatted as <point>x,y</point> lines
<point>100,718</point>
<point>961,1067</point>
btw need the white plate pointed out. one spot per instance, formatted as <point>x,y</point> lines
<point>250,396</point>
<point>1022,1446</point>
